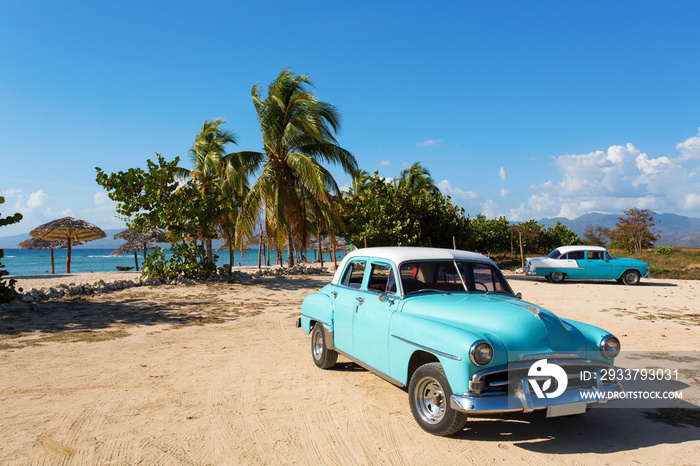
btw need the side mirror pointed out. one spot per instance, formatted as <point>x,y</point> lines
<point>519,295</point>
<point>384,297</point>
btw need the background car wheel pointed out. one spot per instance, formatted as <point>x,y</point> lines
<point>631,277</point>
<point>429,395</point>
<point>556,277</point>
<point>322,356</point>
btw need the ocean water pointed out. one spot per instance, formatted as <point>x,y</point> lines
<point>27,262</point>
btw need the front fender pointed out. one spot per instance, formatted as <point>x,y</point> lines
<point>448,343</point>
<point>316,307</point>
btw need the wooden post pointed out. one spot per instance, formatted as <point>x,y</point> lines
<point>522,258</point>
<point>365,241</point>
<point>53,271</point>
<point>454,243</point>
<point>68,257</point>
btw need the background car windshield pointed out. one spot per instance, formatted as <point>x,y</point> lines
<point>448,276</point>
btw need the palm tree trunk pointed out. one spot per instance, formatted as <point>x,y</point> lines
<point>210,255</point>
<point>320,250</point>
<point>230,258</point>
<point>290,248</point>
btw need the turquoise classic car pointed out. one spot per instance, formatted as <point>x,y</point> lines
<point>446,325</point>
<point>586,262</point>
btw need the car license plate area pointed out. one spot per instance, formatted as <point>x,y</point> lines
<point>567,409</point>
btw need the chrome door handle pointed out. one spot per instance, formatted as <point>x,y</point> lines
<point>335,294</point>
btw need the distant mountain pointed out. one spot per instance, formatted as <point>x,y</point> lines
<point>675,230</point>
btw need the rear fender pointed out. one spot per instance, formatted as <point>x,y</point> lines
<point>316,307</point>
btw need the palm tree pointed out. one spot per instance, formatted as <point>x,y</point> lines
<point>298,135</point>
<point>417,179</point>
<point>227,173</point>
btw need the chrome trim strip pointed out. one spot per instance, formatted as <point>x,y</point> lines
<point>431,350</point>
<point>371,369</point>
<point>532,357</point>
<point>516,365</point>
<point>325,324</point>
<point>524,401</point>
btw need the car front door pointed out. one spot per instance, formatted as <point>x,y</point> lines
<point>372,316</point>
<point>579,258</point>
<point>345,301</point>
<point>597,266</point>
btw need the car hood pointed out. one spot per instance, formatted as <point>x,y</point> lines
<point>522,327</point>
<point>625,262</point>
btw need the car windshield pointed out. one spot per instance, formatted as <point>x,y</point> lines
<point>554,254</point>
<point>451,276</point>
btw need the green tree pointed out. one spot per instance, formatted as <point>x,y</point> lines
<point>596,235</point>
<point>390,214</point>
<point>417,178</point>
<point>226,174</point>
<point>490,236</point>
<point>634,231</point>
<point>298,136</point>
<point>7,288</point>
<point>558,235</point>
<point>155,198</point>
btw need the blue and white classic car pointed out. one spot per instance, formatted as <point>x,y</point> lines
<point>446,325</point>
<point>586,262</point>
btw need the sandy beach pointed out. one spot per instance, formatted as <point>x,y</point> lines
<point>218,374</point>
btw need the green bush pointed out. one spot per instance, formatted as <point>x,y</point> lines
<point>188,261</point>
<point>664,250</point>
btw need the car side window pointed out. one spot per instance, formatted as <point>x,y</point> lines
<point>594,255</point>
<point>353,274</point>
<point>575,255</point>
<point>486,280</point>
<point>382,279</point>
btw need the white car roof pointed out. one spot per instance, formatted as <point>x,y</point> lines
<point>565,249</point>
<point>398,254</point>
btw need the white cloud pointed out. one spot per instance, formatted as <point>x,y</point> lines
<point>101,198</point>
<point>692,201</point>
<point>618,178</point>
<point>502,174</point>
<point>384,163</point>
<point>690,148</point>
<point>36,199</point>
<point>456,193</point>
<point>429,142</point>
<point>504,192</point>
<point>10,193</point>
<point>490,209</point>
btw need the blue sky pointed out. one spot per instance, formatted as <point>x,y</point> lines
<point>523,109</point>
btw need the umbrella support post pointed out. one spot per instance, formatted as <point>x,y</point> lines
<point>68,257</point>
<point>136,259</point>
<point>53,270</point>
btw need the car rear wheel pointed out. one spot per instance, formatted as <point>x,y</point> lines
<point>556,277</point>
<point>323,357</point>
<point>429,395</point>
<point>631,277</point>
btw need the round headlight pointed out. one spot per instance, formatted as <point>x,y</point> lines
<point>610,347</point>
<point>481,353</point>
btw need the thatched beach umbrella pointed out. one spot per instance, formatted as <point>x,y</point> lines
<point>154,235</point>
<point>133,246</point>
<point>35,244</point>
<point>68,229</point>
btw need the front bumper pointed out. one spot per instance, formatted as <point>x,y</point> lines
<point>524,400</point>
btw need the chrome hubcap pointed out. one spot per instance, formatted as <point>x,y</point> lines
<point>317,345</point>
<point>632,278</point>
<point>557,276</point>
<point>430,400</point>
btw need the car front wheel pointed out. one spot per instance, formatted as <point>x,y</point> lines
<point>323,357</point>
<point>631,277</point>
<point>556,277</point>
<point>429,394</point>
